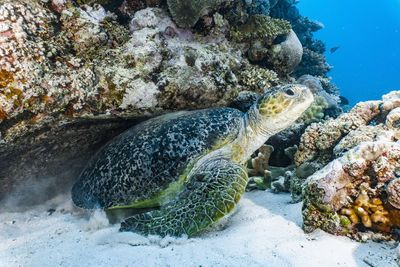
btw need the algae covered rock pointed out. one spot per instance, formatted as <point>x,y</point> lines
<point>285,56</point>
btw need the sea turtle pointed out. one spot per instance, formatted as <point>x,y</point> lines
<point>185,166</point>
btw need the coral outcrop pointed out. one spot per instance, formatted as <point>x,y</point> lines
<point>258,169</point>
<point>320,138</point>
<point>351,194</point>
<point>271,43</point>
<point>358,190</point>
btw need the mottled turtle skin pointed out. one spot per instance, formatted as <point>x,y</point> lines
<point>143,161</point>
<point>186,166</point>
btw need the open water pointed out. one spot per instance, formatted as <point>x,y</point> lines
<point>367,62</point>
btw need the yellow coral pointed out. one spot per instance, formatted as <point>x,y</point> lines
<point>3,115</point>
<point>370,211</point>
<point>350,214</point>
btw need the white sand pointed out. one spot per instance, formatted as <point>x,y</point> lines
<point>265,230</point>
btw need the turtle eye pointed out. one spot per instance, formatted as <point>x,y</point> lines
<point>289,92</point>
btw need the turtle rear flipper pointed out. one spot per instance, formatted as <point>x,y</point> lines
<point>209,195</point>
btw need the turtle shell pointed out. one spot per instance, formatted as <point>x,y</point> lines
<point>151,160</point>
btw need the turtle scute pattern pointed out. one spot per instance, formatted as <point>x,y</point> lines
<point>143,161</point>
<point>210,194</point>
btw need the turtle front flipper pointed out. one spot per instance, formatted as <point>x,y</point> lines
<point>210,194</point>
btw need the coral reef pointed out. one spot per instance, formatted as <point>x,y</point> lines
<point>393,191</point>
<point>358,191</point>
<point>259,79</point>
<point>44,71</point>
<point>313,62</point>
<point>271,43</point>
<point>258,7</point>
<point>278,178</point>
<point>316,111</point>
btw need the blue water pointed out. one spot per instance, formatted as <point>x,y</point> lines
<point>367,64</point>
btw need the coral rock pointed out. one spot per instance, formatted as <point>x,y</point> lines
<point>319,138</point>
<point>393,190</point>
<point>285,56</point>
<point>351,186</point>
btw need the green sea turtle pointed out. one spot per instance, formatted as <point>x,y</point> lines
<point>185,166</point>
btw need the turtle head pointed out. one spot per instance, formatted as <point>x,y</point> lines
<point>279,107</point>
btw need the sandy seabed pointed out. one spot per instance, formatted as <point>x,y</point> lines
<point>264,230</point>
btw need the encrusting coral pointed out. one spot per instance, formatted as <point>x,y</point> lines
<point>316,111</point>
<point>259,79</point>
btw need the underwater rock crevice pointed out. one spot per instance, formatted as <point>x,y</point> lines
<point>53,155</point>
